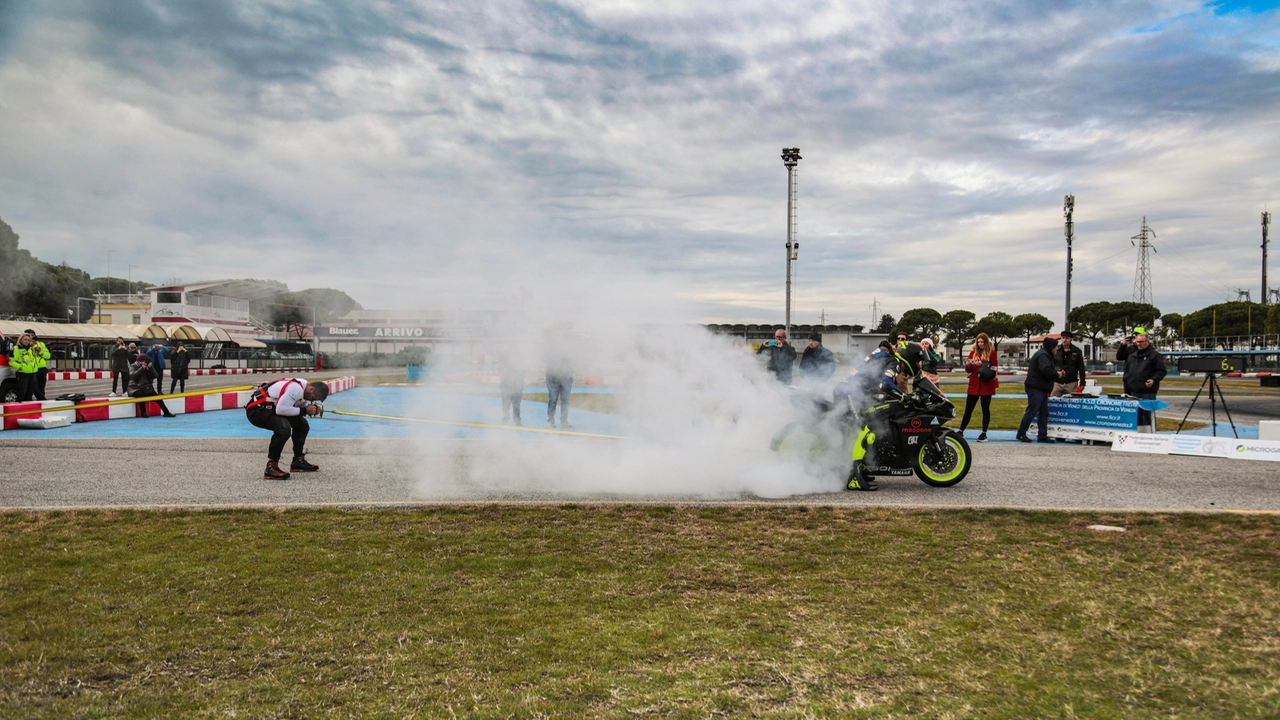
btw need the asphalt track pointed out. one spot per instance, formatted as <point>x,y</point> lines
<point>215,460</point>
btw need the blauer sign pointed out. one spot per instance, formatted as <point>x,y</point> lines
<point>1096,413</point>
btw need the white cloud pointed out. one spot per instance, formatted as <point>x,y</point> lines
<point>402,151</point>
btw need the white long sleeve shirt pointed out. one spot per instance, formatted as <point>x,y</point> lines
<point>291,402</point>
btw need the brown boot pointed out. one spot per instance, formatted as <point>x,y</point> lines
<point>300,464</point>
<point>273,472</point>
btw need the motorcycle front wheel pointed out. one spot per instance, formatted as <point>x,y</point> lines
<point>945,461</point>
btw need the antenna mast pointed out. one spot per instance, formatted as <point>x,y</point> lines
<point>1142,278</point>
<point>1266,226</point>
<point>1068,209</point>
<point>791,158</point>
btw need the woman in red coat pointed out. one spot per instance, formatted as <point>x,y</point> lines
<point>980,389</point>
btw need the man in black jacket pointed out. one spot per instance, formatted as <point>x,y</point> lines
<point>1143,370</point>
<point>781,356</point>
<point>1041,375</point>
<point>142,381</point>
<point>1068,357</point>
<point>817,363</point>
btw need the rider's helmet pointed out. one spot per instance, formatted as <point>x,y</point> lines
<point>910,356</point>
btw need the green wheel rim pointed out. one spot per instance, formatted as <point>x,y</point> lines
<point>953,447</point>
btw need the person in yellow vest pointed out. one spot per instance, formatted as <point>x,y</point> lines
<point>26,367</point>
<point>42,363</point>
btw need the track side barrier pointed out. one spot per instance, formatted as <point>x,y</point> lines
<point>95,409</point>
<point>106,374</point>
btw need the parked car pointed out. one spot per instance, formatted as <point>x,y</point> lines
<point>8,384</point>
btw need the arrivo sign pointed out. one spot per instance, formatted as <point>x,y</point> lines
<point>403,332</point>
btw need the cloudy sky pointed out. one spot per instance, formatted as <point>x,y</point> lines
<point>427,154</point>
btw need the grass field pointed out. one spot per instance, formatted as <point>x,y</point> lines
<point>638,611</point>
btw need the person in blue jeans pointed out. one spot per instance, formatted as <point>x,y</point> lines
<point>559,380</point>
<point>1042,373</point>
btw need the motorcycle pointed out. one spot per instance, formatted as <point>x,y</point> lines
<point>907,435</point>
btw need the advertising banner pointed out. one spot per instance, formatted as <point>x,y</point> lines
<point>1201,446</point>
<point>1142,443</point>
<point>1091,418</point>
<point>1255,450</point>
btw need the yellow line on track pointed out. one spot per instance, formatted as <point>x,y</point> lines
<point>126,401</point>
<point>460,423</point>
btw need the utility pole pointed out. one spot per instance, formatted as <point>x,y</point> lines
<point>823,317</point>
<point>1266,226</point>
<point>791,158</point>
<point>875,313</point>
<point>1068,209</point>
<point>1142,277</point>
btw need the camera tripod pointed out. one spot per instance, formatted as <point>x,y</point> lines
<point>1211,381</point>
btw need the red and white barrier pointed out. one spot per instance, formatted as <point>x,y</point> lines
<point>106,374</point>
<point>11,423</point>
<point>178,406</point>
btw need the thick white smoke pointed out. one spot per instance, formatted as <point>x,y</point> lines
<point>698,410</point>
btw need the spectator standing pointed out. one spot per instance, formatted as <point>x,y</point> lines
<point>817,363</point>
<point>929,360</point>
<point>180,369</point>
<point>1068,357</point>
<point>42,355</point>
<point>780,356</point>
<point>157,354</point>
<point>559,381</point>
<point>133,353</point>
<point>25,367</point>
<point>142,381</point>
<point>983,383</point>
<point>511,387</point>
<point>1041,375</point>
<point>120,362</point>
<point>1144,368</point>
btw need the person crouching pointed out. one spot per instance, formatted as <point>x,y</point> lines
<point>142,380</point>
<point>283,407</point>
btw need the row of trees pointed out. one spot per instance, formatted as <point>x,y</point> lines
<point>959,327</point>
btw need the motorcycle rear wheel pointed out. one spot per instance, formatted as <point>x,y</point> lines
<point>945,467</point>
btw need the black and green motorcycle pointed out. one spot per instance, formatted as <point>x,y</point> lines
<point>889,435</point>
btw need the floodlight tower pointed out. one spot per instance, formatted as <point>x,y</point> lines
<point>1266,226</point>
<point>1142,277</point>
<point>1068,209</point>
<point>791,158</point>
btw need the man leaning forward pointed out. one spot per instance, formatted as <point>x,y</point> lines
<point>283,407</point>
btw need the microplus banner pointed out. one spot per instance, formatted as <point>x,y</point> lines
<point>1100,413</point>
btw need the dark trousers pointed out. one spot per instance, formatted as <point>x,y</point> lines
<point>969,402</point>
<point>42,377</point>
<point>1038,410</point>
<point>282,428</point>
<point>149,393</point>
<point>1144,417</point>
<point>160,378</point>
<point>123,377</point>
<point>26,386</point>
<point>181,383</point>
<point>558,393</point>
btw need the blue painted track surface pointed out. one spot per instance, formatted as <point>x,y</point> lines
<point>417,402</point>
<point>427,402</point>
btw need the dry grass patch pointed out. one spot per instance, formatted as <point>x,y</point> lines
<point>587,611</point>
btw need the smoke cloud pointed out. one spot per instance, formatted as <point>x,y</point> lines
<point>698,411</point>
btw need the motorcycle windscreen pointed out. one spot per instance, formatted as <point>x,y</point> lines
<point>924,383</point>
